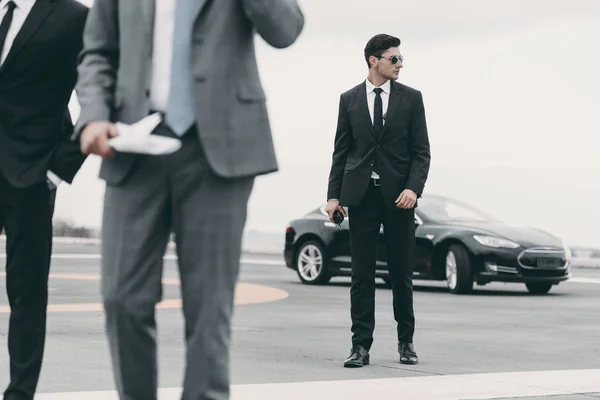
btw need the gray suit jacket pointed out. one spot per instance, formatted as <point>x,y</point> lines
<point>232,119</point>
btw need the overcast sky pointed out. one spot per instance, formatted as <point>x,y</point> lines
<point>510,88</point>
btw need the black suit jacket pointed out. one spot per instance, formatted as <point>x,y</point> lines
<point>400,153</point>
<point>36,82</point>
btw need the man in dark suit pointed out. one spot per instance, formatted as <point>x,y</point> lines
<point>380,164</point>
<point>39,44</point>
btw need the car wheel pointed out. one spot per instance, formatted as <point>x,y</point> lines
<point>538,288</point>
<point>459,277</point>
<point>310,263</point>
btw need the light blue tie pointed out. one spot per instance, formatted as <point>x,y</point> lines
<point>181,107</point>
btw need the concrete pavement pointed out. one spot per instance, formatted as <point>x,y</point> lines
<point>295,345</point>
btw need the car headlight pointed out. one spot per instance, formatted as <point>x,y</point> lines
<point>567,250</point>
<point>493,241</point>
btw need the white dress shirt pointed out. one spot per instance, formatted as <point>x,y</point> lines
<point>164,24</point>
<point>20,14</point>
<point>385,99</point>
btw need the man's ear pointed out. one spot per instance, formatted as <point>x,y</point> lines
<point>372,60</point>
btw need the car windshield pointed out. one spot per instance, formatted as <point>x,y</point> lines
<point>447,210</point>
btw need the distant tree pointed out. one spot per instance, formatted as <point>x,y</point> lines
<point>67,228</point>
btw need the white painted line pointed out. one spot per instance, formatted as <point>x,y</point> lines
<point>584,280</point>
<point>67,240</point>
<point>70,256</point>
<point>447,387</point>
<point>256,261</point>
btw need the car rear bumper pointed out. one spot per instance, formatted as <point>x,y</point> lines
<point>288,254</point>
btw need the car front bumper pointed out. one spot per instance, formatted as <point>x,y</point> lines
<point>506,265</point>
<point>493,271</point>
<point>487,277</point>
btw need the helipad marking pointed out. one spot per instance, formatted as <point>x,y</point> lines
<point>444,387</point>
<point>245,293</point>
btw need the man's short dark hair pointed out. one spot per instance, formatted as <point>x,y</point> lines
<point>378,44</point>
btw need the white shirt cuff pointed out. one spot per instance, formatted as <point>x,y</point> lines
<point>53,178</point>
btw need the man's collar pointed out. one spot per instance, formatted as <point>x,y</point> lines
<point>386,86</point>
<point>20,3</point>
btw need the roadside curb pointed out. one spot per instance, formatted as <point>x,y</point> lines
<point>250,250</point>
<point>586,264</point>
<point>577,263</point>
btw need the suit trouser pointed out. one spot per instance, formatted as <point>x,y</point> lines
<point>172,193</point>
<point>399,234</point>
<point>26,216</point>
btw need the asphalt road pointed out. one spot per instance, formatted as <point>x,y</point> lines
<point>305,336</point>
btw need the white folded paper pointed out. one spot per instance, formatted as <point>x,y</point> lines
<point>137,138</point>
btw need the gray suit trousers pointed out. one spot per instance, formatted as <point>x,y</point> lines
<point>172,193</point>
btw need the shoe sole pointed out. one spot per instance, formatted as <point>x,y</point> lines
<point>356,365</point>
<point>407,362</point>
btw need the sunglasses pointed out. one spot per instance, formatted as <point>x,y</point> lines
<point>394,59</point>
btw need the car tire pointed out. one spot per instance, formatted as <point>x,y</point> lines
<point>311,264</point>
<point>458,271</point>
<point>539,287</point>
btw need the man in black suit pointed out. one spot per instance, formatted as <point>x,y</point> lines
<point>39,44</point>
<point>380,164</point>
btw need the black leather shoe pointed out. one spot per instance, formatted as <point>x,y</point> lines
<point>408,355</point>
<point>358,357</point>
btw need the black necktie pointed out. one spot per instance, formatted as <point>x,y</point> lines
<point>377,120</point>
<point>6,21</point>
<point>378,112</point>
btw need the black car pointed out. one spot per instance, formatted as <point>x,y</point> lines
<point>456,243</point>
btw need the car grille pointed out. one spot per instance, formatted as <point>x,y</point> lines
<point>543,258</point>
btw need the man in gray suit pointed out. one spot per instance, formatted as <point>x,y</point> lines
<point>193,61</point>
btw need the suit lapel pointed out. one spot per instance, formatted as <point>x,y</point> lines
<point>40,11</point>
<point>363,107</point>
<point>394,102</point>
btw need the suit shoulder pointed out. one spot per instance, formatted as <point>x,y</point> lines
<point>352,91</point>
<point>75,6</point>
<point>75,13</point>
<point>409,89</point>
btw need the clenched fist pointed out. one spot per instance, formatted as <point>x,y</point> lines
<point>94,138</point>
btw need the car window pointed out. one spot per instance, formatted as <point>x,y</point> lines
<point>446,210</point>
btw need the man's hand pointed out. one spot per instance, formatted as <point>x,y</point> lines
<point>94,138</point>
<point>407,199</point>
<point>333,205</point>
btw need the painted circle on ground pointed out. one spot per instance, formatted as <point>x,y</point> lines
<point>245,293</point>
